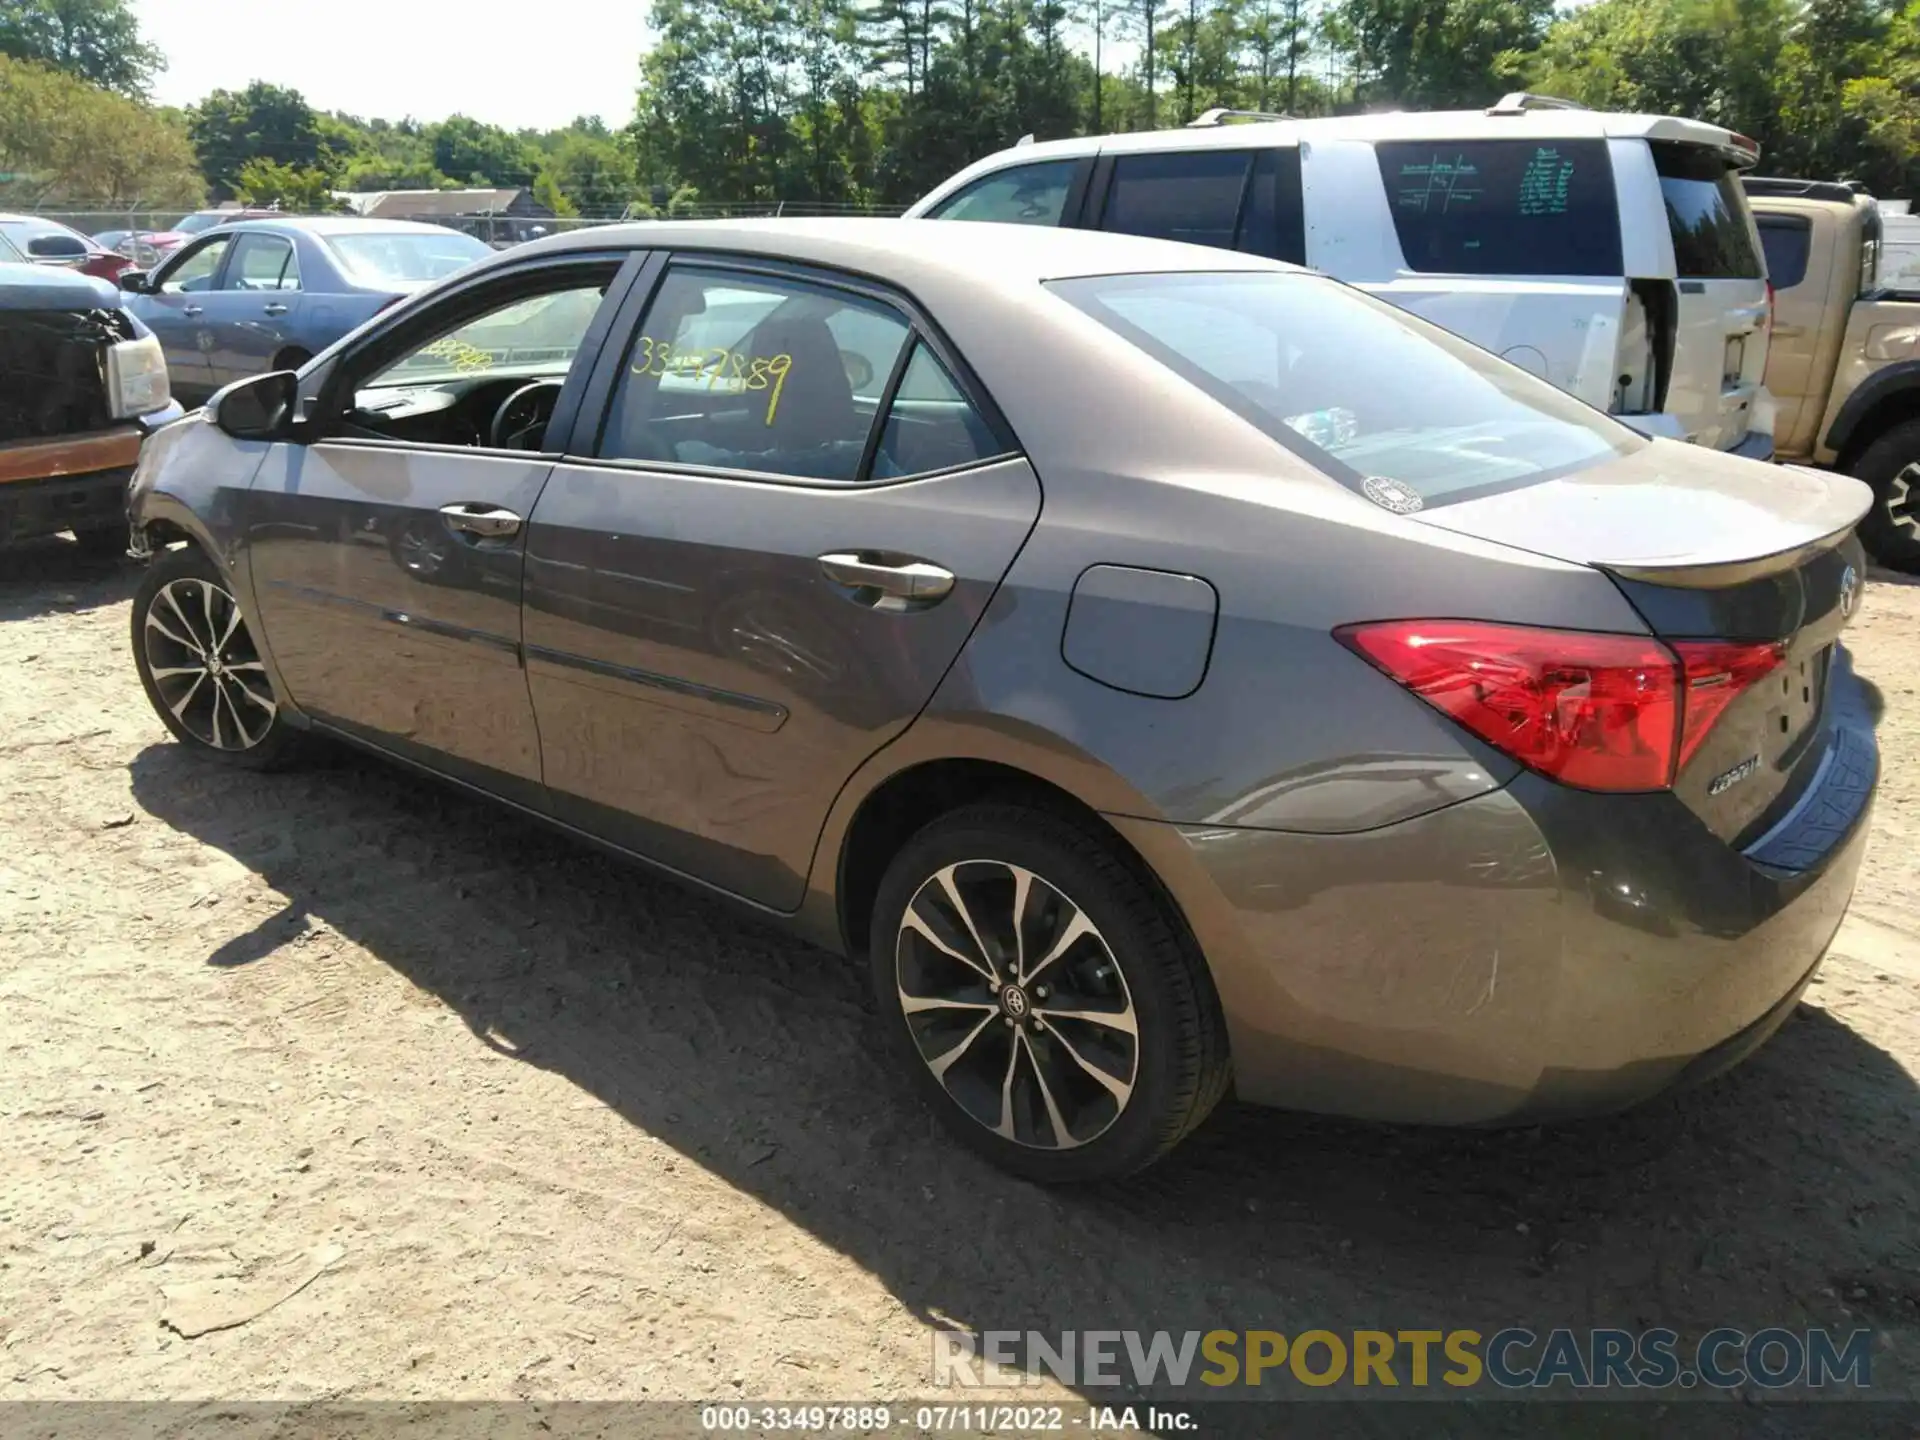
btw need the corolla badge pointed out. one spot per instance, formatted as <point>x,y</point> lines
<point>1849,592</point>
<point>1392,495</point>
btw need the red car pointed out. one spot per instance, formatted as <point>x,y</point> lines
<point>48,242</point>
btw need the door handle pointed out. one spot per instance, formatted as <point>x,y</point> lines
<point>489,522</point>
<point>275,309</point>
<point>191,309</point>
<point>905,582</point>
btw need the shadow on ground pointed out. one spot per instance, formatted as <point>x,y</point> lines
<point>55,576</point>
<point>1780,1195</point>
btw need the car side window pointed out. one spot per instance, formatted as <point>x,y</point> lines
<point>1786,241</point>
<point>197,269</point>
<point>931,425</point>
<point>754,372</point>
<point>1188,195</point>
<point>262,262</point>
<point>531,337</point>
<point>1024,195</point>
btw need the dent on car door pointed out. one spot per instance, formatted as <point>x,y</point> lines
<point>175,311</point>
<point>791,521</point>
<point>387,549</point>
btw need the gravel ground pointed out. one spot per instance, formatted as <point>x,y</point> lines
<point>493,1117</point>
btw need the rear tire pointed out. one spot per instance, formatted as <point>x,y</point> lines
<point>201,670</point>
<point>1891,465</point>
<point>1082,1043</point>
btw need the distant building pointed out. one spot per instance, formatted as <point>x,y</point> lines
<point>500,216</point>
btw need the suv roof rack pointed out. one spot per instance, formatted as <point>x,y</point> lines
<point>1786,186</point>
<point>1518,102</point>
<point>1220,114</point>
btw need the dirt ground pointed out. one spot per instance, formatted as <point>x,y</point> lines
<point>530,1124</point>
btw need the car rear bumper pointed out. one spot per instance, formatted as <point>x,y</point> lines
<point>1531,953</point>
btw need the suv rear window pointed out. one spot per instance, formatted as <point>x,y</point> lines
<point>1361,390</point>
<point>1786,240</point>
<point>1503,207</point>
<point>1707,213</point>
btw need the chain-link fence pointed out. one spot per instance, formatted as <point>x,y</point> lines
<point>125,225</point>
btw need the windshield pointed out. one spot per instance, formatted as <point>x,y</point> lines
<point>8,250</point>
<point>406,257</point>
<point>1362,390</point>
<point>194,224</point>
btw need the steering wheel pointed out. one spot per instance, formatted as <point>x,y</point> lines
<point>523,415</point>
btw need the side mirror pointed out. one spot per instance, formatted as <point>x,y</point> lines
<point>57,247</point>
<point>134,282</point>
<point>257,408</point>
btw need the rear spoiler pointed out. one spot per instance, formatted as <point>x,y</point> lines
<point>1737,572</point>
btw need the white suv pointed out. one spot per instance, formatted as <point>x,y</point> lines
<point>1612,254</point>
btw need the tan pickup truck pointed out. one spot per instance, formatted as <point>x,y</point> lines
<point>1844,364</point>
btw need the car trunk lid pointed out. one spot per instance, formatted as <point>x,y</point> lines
<point>1748,572</point>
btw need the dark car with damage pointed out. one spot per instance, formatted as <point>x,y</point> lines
<point>82,384</point>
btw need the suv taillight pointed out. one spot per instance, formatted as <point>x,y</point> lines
<point>1602,712</point>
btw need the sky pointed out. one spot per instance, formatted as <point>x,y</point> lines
<point>523,66</point>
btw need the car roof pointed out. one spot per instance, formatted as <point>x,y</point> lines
<point>1416,125</point>
<point>340,225</point>
<point>909,252</point>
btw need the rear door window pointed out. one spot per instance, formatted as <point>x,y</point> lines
<point>736,371</point>
<point>1707,214</point>
<point>1785,239</point>
<point>1503,207</point>
<point>1025,195</point>
<point>1273,220</point>
<point>1189,195</point>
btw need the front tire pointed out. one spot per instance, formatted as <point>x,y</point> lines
<point>1891,465</point>
<point>201,669</point>
<point>1049,1004</point>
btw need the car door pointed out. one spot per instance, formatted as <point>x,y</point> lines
<point>255,310</point>
<point>1808,318</point>
<point>387,548</point>
<point>1720,335</point>
<point>175,310</point>
<point>755,572</point>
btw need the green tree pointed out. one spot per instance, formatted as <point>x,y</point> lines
<point>97,41</point>
<point>475,153</point>
<point>262,122</point>
<point>285,187</point>
<point>77,142</point>
<point>1438,54</point>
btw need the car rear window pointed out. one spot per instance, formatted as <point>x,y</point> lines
<point>406,258</point>
<point>1503,207</point>
<point>1362,390</point>
<point>1707,214</point>
<point>1785,239</point>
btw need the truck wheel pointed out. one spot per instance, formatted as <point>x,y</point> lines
<point>1891,465</point>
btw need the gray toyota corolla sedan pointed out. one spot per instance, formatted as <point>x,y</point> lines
<point>1173,671</point>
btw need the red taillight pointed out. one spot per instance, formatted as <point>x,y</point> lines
<point>1598,711</point>
<point>1717,673</point>
<point>1604,712</point>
